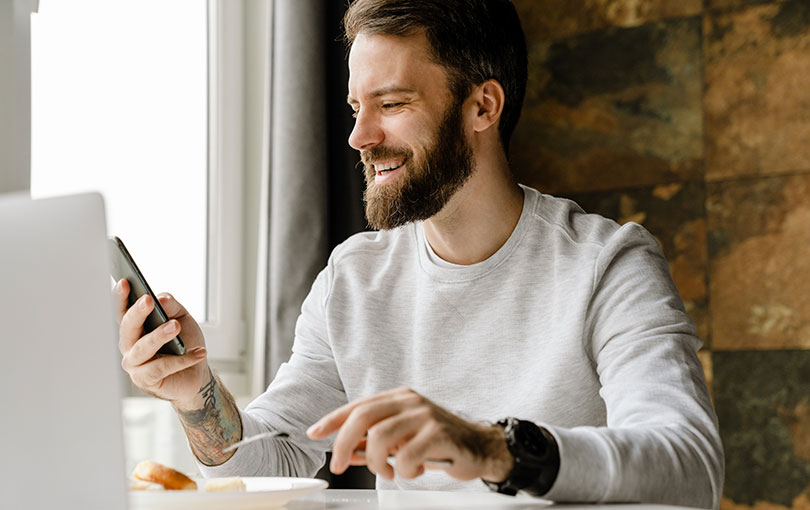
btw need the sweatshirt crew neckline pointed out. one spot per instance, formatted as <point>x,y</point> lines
<point>440,270</point>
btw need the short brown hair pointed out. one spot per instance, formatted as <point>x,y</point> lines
<point>475,40</point>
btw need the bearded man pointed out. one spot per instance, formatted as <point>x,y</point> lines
<point>486,332</point>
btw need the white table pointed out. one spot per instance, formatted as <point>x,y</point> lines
<point>435,500</point>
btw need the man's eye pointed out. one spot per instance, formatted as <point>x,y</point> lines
<point>388,106</point>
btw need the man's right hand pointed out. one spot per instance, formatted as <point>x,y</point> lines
<point>169,377</point>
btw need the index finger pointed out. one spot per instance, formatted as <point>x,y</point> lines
<point>334,420</point>
<point>120,299</point>
<point>131,326</point>
<point>172,307</point>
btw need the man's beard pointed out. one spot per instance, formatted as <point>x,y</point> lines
<point>426,185</point>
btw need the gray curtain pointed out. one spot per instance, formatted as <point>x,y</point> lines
<point>298,242</point>
<point>311,188</point>
<point>312,192</point>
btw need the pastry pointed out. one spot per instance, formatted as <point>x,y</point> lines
<point>169,478</point>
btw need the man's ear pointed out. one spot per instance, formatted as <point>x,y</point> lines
<point>489,98</point>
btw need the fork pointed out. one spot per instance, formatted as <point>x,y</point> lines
<point>263,435</point>
<point>275,433</point>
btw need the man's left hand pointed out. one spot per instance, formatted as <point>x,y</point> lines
<point>415,431</point>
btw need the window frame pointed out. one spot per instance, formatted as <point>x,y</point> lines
<point>225,328</point>
<point>226,301</point>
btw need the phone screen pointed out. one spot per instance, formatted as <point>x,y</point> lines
<point>124,267</point>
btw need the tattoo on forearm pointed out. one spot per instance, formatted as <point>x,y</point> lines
<point>215,426</point>
<point>207,392</point>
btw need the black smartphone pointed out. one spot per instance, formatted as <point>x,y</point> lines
<point>124,267</point>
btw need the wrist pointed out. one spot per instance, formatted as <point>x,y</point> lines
<point>188,405</point>
<point>499,460</point>
<point>202,396</point>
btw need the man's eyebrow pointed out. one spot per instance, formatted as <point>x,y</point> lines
<point>383,92</point>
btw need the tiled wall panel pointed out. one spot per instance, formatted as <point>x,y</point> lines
<point>692,118</point>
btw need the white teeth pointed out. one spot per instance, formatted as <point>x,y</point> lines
<point>388,165</point>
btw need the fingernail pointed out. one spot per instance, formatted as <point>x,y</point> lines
<point>170,327</point>
<point>143,304</point>
<point>314,429</point>
<point>199,352</point>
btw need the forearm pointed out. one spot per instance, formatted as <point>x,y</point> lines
<point>665,465</point>
<point>211,423</point>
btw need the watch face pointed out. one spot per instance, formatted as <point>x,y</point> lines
<point>531,439</point>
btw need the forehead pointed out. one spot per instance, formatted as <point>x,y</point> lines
<point>387,62</point>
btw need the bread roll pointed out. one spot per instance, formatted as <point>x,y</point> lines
<point>171,479</point>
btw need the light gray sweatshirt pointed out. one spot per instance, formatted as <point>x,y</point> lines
<point>574,324</point>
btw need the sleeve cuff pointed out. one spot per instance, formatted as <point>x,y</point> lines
<point>583,456</point>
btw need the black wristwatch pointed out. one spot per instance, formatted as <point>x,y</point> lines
<point>537,459</point>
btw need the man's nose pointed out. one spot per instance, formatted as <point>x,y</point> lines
<point>366,133</point>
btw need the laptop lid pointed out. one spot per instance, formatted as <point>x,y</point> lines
<point>59,365</point>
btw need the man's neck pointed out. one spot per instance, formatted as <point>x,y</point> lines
<point>479,218</point>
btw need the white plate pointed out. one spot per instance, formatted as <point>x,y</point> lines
<point>262,492</point>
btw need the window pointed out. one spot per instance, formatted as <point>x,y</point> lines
<point>119,105</point>
<point>138,99</point>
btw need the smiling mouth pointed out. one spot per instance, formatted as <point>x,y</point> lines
<point>387,167</point>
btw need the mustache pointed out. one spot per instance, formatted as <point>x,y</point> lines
<point>381,153</point>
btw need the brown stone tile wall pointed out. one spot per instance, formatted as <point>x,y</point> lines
<point>692,118</point>
<point>757,64</point>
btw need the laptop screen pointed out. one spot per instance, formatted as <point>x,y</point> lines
<point>59,365</point>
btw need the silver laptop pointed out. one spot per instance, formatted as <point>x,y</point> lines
<point>61,426</point>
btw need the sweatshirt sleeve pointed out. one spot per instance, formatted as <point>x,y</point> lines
<point>661,442</point>
<point>305,388</point>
